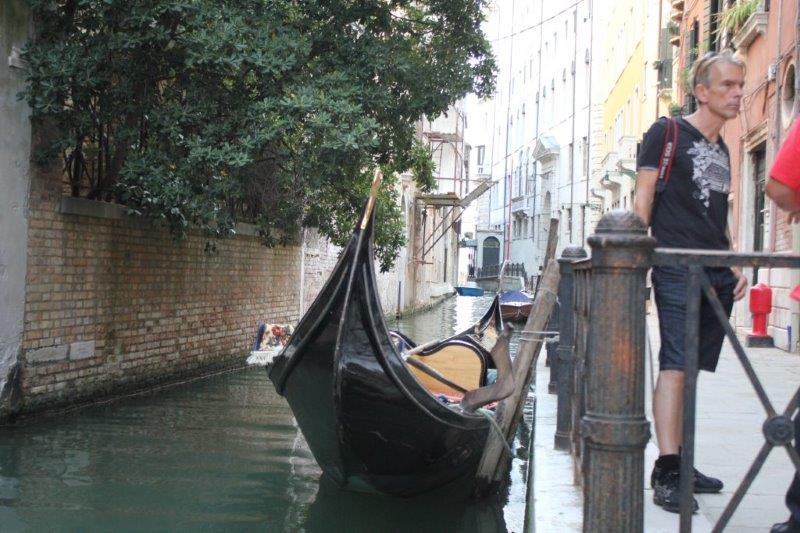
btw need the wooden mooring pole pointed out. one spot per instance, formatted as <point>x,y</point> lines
<point>614,428</point>
<point>509,411</point>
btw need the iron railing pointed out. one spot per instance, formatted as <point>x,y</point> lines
<point>600,416</point>
<point>493,271</point>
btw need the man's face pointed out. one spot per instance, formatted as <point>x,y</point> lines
<point>724,94</point>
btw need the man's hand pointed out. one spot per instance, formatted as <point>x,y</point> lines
<point>741,285</point>
<point>793,217</point>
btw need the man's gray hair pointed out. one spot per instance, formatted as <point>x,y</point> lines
<point>701,70</point>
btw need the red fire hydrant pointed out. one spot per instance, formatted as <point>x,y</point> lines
<point>760,308</point>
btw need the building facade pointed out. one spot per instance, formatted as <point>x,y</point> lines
<point>628,84</point>
<point>764,36</point>
<point>539,136</point>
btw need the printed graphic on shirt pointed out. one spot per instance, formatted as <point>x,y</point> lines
<point>711,170</point>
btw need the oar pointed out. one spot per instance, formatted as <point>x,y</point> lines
<point>421,347</point>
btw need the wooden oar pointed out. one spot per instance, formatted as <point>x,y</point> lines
<point>421,347</point>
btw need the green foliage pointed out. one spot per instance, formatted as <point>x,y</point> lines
<point>207,112</point>
<point>733,18</point>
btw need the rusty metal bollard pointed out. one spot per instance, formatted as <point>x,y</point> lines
<point>614,428</point>
<point>566,345</point>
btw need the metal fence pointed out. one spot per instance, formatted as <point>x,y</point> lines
<point>493,271</point>
<point>601,362</point>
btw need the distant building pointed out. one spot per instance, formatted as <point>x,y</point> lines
<point>631,58</point>
<point>537,137</point>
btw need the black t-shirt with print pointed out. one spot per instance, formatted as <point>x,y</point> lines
<point>692,210</point>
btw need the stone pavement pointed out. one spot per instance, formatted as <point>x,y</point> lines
<point>728,437</point>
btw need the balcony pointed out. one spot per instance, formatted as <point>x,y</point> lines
<point>520,206</point>
<point>676,15</point>
<point>677,4</point>
<point>754,26</point>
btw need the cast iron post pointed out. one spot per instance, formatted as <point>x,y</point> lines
<point>614,428</point>
<point>566,345</point>
<point>552,347</point>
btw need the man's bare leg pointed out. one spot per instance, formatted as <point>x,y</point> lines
<point>668,411</point>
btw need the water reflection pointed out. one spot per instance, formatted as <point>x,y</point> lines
<point>448,509</point>
<point>222,453</point>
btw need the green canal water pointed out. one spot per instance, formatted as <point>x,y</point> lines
<point>220,454</point>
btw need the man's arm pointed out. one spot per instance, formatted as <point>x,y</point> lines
<point>646,180</point>
<point>741,281</point>
<point>786,197</point>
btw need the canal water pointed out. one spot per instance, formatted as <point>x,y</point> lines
<point>221,453</point>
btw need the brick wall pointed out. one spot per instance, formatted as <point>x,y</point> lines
<point>115,304</point>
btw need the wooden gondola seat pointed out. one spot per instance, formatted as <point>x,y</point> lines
<point>460,363</point>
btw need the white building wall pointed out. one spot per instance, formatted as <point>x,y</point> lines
<point>542,49</point>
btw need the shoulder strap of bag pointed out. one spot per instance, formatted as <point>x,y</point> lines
<point>668,151</point>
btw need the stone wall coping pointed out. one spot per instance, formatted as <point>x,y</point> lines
<point>71,205</point>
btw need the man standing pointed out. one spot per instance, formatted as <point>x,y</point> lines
<point>784,188</point>
<point>684,199</point>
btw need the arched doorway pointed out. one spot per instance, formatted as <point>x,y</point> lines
<point>491,252</point>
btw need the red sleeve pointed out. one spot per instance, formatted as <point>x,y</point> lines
<point>786,168</point>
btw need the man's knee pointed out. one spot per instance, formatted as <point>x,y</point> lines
<point>671,378</point>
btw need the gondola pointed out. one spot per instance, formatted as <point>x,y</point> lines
<point>372,425</point>
<point>515,306</point>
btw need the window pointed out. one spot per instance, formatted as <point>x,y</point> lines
<point>713,22</point>
<point>759,161</point>
<point>571,162</point>
<point>788,96</point>
<point>481,154</point>
<point>585,156</point>
<point>569,224</point>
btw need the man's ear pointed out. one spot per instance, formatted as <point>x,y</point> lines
<point>701,93</point>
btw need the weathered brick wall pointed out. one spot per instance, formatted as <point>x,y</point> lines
<point>117,305</point>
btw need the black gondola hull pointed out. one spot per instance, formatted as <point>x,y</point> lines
<point>369,423</point>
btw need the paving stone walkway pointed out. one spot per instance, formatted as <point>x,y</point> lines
<point>729,419</point>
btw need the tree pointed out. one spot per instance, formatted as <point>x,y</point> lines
<point>208,112</point>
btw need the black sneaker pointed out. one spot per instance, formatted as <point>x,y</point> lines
<point>790,526</point>
<point>703,484</point>
<point>667,492</point>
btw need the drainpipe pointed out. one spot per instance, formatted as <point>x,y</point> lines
<point>536,174</point>
<point>658,53</point>
<point>506,178</point>
<point>776,137</point>
<point>302,283</point>
<point>589,123</point>
<point>574,102</point>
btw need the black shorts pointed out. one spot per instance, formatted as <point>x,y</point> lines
<point>670,285</point>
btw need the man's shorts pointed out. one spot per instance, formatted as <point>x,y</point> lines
<point>669,286</point>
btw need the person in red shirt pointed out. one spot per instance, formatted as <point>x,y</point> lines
<point>784,188</point>
<point>784,184</point>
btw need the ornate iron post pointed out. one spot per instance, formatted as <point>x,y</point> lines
<point>614,428</point>
<point>566,345</point>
